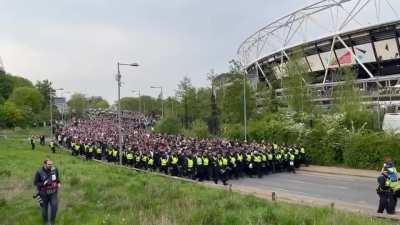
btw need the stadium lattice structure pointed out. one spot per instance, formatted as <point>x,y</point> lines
<point>331,34</point>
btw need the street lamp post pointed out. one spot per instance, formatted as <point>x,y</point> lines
<point>244,107</point>
<point>63,107</point>
<point>162,102</point>
<point>51,108</point>
<point>118,78</point>
<point>140,100</point>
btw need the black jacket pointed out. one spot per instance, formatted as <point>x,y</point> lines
<point>45,178</point>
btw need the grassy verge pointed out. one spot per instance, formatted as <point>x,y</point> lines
<point>98,194</point>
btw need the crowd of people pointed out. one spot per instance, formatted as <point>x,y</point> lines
<point>202,159</point>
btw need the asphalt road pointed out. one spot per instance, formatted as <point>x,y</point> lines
<point>355,192</point>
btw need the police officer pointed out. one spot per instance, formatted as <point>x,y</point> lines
<point>52,146</point>
<point>32,140</point>
<point>385,193</point>
<point>47,182</point>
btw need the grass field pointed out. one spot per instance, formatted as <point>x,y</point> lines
<point>99,194</point>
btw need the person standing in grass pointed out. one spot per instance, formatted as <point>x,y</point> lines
<point>47,182</point>
<point>32,140</point>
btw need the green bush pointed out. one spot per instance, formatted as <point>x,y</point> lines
<point>199,130</point>
<point>232,131</point>
<point>277,129</point>
<point>168,125</point>
<point>367,150</point>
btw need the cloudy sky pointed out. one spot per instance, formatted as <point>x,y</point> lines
<point>76,43</point>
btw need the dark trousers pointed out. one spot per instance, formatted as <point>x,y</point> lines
<point>50,206</point>
<point>164,169</point>
<point>200,173</point>
<point>386,201</point>
<point>175,171</point>
<point>223,176</point>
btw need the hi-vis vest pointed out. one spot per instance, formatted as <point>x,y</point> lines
<point>394,185</point>
<point>114,153</point>
<point>174,160</point>
<point>257,159</point>
<point>248,157</point>
<point>270,156</point>
<point>223,162</point>
<point>278,156</point>
<point>98,150</point>
<point>302,150</point>
<point>240,157</point>
<point>233,161</point>
<point>275,146</point>
<point>150,162</point>
<point>291,157</point>
<point>129,156</point>
<point>137,158</point>
<point>77,147</point>
<point>190,163</point>
<point>264,157</point>
<point>205,161</point>
<point>164,162</point>
<point>199,161</point>
<point>90,149</point>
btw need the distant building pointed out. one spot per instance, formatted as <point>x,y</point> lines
<point>60,103</point>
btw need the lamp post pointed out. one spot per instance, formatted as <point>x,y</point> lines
<point>63,107</point>
<point>140,100</point>
<point>51,108</point>
<point>244,107</point>
<point>162,102</point>
<point>118,78</point>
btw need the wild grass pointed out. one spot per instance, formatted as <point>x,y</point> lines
<point>94,194</point>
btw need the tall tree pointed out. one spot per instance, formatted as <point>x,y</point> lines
<point>97,102</point>
<point>296,86</point>
<point>77,104</point>
<point>46,89</point>
<point>213,121</point>
<point>232,102</point>
<point>186,93</point>
<point>130,103</point>
<point>27,97</point>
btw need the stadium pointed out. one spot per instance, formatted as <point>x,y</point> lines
<point>329,35</point>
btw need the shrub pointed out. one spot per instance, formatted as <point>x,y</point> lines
<point>199,130</point>
<point>367,150</point>
<point>168,125</point>
<point>232,131</point>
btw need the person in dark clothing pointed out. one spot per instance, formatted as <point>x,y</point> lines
<point>42,140</point>
<point>47,182</point>
<point>386,196</point>
<point>32,140</point>
<point>52,146</point>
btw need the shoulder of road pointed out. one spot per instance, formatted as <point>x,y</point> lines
<point>341,171</point>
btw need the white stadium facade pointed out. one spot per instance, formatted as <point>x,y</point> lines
<point>331,34</point>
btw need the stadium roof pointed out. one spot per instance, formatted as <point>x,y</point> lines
<point>324,18</point>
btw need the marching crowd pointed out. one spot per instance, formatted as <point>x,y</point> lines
<point>203,159</point>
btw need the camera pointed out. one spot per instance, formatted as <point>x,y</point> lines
<point>38,199</point>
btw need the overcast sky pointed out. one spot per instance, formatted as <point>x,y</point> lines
<point>77,43</point>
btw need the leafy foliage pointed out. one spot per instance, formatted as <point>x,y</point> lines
<point>27,97</point>
<point>77,104</point>
<point>168,125</point>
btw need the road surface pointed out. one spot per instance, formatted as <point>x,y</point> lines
<point>347,191</point>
